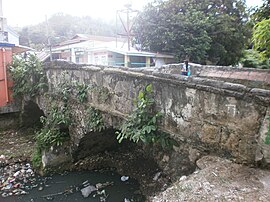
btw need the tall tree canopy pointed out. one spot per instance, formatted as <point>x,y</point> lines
<point>207,31</point>
<point>261,30</point>
<point>261,38</point>
<point>262,12</point>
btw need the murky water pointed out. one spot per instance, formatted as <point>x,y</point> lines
<point>67,187</point>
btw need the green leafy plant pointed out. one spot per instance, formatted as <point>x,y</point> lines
<point>48,137</point>
<point>142,123</point>
<point>81,91</point>
<point>95,120</point>
<point>36,158</point>
<point>27,75</point>
<point>261,38</point>
<point>64,88</point>
<point>52,133</point>
<point>57,116</point>
<point>267,139</point>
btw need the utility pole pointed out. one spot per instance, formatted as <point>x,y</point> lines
<point>128,29</point>
<point>49,39</point>
<point>127,24</point>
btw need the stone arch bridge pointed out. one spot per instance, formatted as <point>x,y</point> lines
<point>218,110</point>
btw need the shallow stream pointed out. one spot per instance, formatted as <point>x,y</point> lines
<point>112,187</point>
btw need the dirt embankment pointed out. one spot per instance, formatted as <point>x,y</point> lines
<point>219,179</point>
<point>17,145</point>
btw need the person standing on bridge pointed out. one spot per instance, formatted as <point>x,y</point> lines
<point>185,70</point>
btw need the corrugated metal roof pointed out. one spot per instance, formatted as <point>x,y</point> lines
<point>85,37</point>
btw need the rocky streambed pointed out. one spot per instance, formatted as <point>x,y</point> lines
<point>125,174</point>
<point>130,176</point>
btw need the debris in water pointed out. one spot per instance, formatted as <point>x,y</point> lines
<point>102,185</point>
<point>124,178</point>
<point>14,177</point>
<point>49,198</point>
<point>103,196</point>
<point>88,190</point>
<point>157,175</point>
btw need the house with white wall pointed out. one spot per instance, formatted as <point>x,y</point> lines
<point>101,50</point>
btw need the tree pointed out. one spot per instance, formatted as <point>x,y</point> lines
<point>262,12</point>
<point>208,31</point>
<point>228,31</point>
<point>171,27</point>
<point>61,27</point>
<point>261,38</point>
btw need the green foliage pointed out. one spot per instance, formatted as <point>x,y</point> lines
<point>57,116</point>
<point>81,91</point>
<point>28,76</point>
<point>142,124</point>
<point>252,59</point>
<point>207,31</point>
<point>262,12</point>
<point>48,137</point>
<point>95,120</point>
<point>261,38</point>
<point>36,158</point>
<point>51,134</point>
<point>267,139</point>
<point>62,27</point>
<point>64,88</point>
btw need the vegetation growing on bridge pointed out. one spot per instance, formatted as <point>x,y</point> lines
<point>54,131</point>
<point>81,91</point>
<point>142,123</point>
<point>59,118</point>
<point>95,120</point>
<point>28,76</point>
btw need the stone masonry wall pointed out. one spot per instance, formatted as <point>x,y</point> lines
<point>254,78</point>
<point>205,115</point>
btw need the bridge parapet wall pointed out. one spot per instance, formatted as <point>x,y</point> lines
<point>254,78</point>
<point>205,115</point>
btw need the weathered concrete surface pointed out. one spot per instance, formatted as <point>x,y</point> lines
<point>57,156</point>
<point>254,78</point>
<point>203,115</point>
<point>9,116</point>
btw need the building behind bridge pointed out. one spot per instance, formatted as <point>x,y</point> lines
<point>101,50</point>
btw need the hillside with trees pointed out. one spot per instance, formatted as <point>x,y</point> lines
<point>61,27</point>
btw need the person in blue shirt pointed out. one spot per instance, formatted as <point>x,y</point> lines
<point>185,70</point>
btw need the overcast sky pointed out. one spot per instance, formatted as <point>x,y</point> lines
<point>26,12</point>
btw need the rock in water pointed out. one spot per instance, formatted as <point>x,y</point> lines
<point>88,190</point>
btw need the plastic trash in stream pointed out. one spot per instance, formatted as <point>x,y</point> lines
<point>14,177</point>
<point>124,178</point>
<point>88,190</point>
